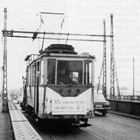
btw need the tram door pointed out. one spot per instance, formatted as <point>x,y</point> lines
<point>36,91</point>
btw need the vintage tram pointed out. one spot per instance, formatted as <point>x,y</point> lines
<point>59,84</point>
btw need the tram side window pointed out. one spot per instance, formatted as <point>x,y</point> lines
<point>42,72</point>
<point>33,75</point>
<point>87,72</point>
<point>28,77</point>
<point>38,72</point>
<point>51,71</point>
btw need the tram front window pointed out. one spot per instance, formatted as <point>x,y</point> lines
<point>69,72</point>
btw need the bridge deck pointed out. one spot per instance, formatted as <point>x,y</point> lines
<point>21,127</point>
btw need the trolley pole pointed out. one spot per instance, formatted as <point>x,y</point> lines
<point>4,88</point>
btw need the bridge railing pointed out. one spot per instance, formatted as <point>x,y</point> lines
<point>126,104</point>
<point>128,98</point>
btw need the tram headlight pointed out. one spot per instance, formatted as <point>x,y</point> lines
<point>78,90</point>
<point>60,90</point>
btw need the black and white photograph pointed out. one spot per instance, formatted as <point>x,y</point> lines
<point>69,70</point>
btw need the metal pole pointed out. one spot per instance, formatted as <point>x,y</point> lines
<point>112,89</point>
<point>104,62</point>
<point>4,93</point>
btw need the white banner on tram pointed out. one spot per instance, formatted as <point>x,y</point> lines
<point>68,106</point>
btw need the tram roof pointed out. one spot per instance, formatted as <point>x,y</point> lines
<point>58,50</point>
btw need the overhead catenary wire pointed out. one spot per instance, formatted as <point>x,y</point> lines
<point>50,33</point>
<point>51,13</point>
<point>55,38</point>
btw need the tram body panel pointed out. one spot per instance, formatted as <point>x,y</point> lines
<point>52,103</point>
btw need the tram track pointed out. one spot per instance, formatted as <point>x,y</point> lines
<point>92,134</point>
<point>56,134</point>
<point>60,132</point>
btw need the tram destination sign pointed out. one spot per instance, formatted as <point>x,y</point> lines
<point>68,106</point>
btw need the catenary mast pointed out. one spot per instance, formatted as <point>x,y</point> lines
<point>4,88</point>
<point>104,63</point>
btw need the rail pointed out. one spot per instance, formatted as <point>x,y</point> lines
<point>21,127</point>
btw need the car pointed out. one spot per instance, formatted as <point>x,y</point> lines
<point>100,103</point>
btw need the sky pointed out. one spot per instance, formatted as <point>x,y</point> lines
<point>81,16</point>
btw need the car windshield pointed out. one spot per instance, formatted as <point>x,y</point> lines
<point>99,97</point>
